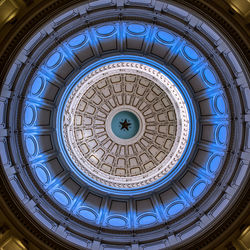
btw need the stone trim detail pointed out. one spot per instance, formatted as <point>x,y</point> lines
<point>154,169</point>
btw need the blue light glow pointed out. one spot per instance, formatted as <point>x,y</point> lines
<point>209,76</point>
<point>54,60</point>
<point>31,146</point>
<point>178,202</point>
<point>42,174</point>
<point>175,208</point>
<point>198,189</point>
<point>222,136</point>
<point>179,85</point>
<point>145,220</point>
<point>166,37</point>
<point>221,104</point>
<point>117,222</point>
<point>106,30</point>
<point>61,198</point>
<point>77,41</point>
<point>190,53</point>
<point>29,115</point>
<point>37,86</point>
<point>214,163</point>
<point>87,214</point>
<point>136,28</point>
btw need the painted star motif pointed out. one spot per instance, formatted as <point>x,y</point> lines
<point>125,125</point>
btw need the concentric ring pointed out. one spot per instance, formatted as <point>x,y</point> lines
<point>114,124</point>
<point>170,210</point>
<point>149,157</point>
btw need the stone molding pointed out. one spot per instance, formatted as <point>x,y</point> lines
<point>181,136</point>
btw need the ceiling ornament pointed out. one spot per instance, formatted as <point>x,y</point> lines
<point>152,98</point>
<point>40,103</point>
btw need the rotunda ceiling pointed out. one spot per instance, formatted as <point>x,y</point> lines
<point>125,125</point>
<point>126,132</point>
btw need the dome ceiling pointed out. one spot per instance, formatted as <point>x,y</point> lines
<point>111,98</point>
<point>126,133</point>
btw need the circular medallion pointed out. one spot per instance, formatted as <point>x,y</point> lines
<point>125,125</point>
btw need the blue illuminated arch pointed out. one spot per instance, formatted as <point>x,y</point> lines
<point>187,57</point>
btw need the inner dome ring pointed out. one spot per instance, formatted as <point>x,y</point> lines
<point>135,112</point>
<point>154,171</point>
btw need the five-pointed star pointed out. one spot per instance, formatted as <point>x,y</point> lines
<point>125,124</point>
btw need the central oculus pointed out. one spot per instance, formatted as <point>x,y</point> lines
<point>125,125</point>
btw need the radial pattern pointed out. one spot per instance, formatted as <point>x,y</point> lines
<point>120,134</point>
<point>98,102</point>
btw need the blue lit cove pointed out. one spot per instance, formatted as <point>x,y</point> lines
<point>125,125</point>
<point>138,160</point>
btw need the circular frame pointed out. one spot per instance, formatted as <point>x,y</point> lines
<point>227,165</point>
<point>137,135</point>
<point>125,185</point>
